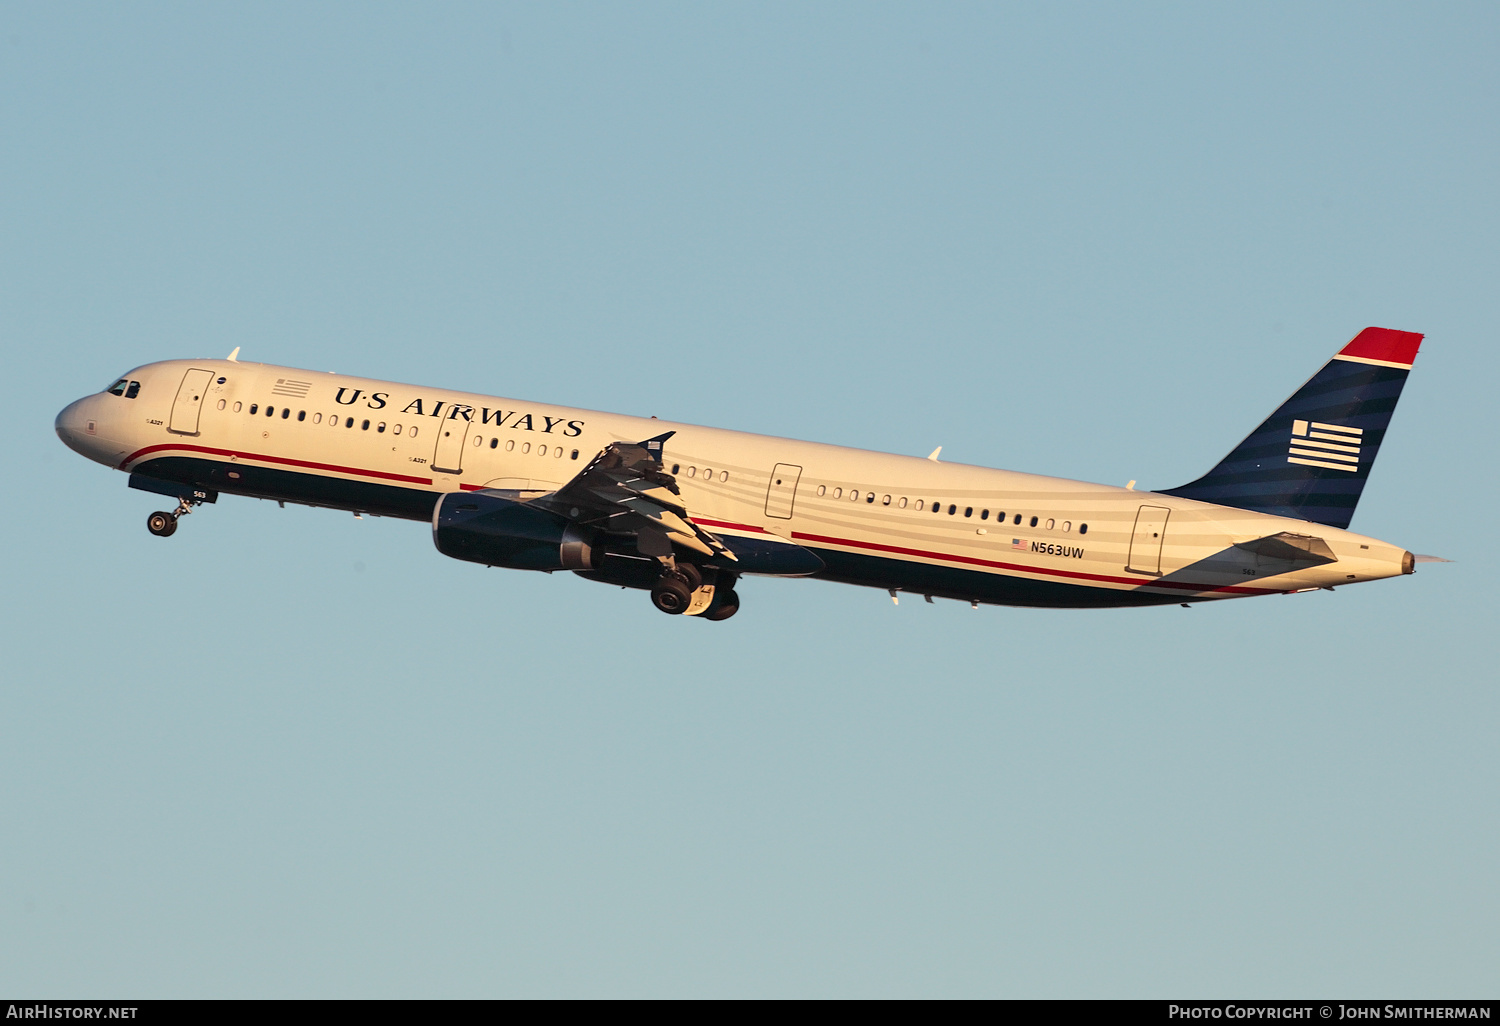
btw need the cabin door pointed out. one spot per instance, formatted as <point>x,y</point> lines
<point>782,492</point>
<point>189,402</point>
<point>448,458</point>
<point>1146,541</point>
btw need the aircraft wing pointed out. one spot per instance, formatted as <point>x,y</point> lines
<point>625,490</point>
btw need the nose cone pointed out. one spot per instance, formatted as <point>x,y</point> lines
<point>70,424</point>
<point>78,427</point>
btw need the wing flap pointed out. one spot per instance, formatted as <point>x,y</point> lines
<point>626,485</point>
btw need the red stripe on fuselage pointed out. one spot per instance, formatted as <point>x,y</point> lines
<point>733,527</point>
<point>261,458</point>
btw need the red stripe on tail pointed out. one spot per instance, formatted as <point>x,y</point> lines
<point>1385,344</point>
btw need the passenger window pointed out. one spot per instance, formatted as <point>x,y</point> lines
<point>1033,521</point>
<point>1018,518</point>
<point>541,450</point>
<point>286,412</point>
<point>919,505</point>
<point>253,408</point>
<point>395,429</point>
<point>575,454</point>
<point>870,499</point>
<point>301,414</point>
<point>838,493</point>
<point>413,431</point>
<point>134,390</point>
<point>525,447</point>
<point>984,514</point>
<point>1067,526</point>
<point>708,473</point>
<point>854,495</point>
<point>1000,518</point>
<point>236,407</point>
<point>365,426</point>
<point>317,418</point>
<point>676,468</point>
<point>380,428</point>
<point>1083,528</point>
<point>723,476</point>
<point>968,511</point>
<point>885,500</point>
<point>270,411</point>
<point>937,507</point>
<point>477,440</point>
<point>221,404</point>
<point>822,490</point>
<point>952,508</point>
<point>494,442</point>
<point>557,452</point>
<point>902,503</point>
<point>510,444</point>
<point>349,423</point>
<point>1050,523</point>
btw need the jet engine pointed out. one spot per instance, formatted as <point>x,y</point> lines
<point>497,531</point>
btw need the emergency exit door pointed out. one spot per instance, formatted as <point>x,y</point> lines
<point>782,493</point>
<point>448,457</point>
<point>189,402</point>
<point>1146,541</point>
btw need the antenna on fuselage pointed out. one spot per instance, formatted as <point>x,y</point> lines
<point>234,357</point>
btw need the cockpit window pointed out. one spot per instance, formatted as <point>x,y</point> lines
<point>134,390</point>
<point>118,388</point>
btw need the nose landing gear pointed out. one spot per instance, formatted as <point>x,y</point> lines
<point>163,524</point>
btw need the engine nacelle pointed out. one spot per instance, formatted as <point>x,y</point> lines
<point>502,532</point>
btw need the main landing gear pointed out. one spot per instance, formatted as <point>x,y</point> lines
<point>164,525</point>
<point>682,589</point>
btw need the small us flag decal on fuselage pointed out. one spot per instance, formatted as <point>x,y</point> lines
<point>1329,446</point>
<point>295,389</point>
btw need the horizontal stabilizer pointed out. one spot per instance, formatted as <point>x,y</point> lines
<point>1296,548</point>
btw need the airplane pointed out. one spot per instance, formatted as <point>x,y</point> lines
<point>684,511</point>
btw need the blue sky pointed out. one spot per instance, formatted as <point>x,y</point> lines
<point>289,753</point>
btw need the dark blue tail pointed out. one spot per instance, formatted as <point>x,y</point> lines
<point>1310,459</point>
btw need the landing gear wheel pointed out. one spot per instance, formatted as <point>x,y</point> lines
<point>691,574</point>
<point>671,594</point>
<point>161,524</point>
<point>725,605</point>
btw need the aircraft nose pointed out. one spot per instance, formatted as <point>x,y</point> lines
<point>78,426</point>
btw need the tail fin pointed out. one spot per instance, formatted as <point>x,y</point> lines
<point>1310,459</point>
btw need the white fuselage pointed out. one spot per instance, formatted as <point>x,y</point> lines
<point>997,536</point>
